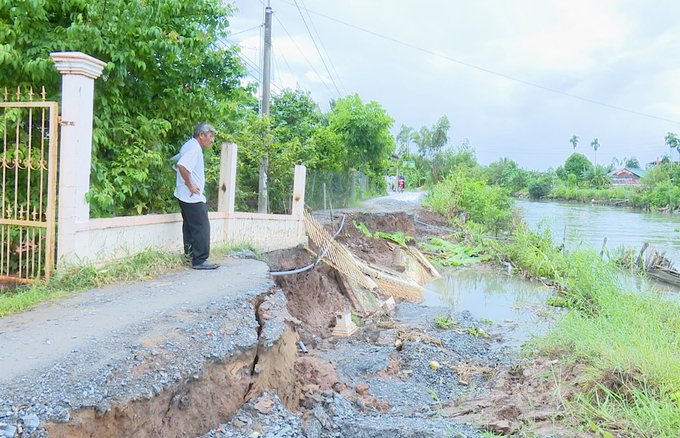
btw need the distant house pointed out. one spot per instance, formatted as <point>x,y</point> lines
<point>628,176</point>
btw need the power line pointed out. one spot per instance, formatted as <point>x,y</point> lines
<point>247,30</point>
<point>303,55</point>
<point>324,47</point>
<point>253,65</point>
<point>521,81</point>
<point>317,48</point>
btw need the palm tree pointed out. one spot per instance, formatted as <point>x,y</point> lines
<point>673,143</point>
<point>597,176</point>
<point>595,144</point>
<point>574,141</point>
<point>404,139</point>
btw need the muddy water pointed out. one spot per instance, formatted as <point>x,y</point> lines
<point>515,305</point>
<point>592,223</point>
<point>519,305</point>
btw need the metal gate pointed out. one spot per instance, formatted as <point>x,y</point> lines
<point>29,186</point>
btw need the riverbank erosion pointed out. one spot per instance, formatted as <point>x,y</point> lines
<point>233,353</point>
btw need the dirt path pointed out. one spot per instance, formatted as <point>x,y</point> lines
<point>34,340</point>
<point>216,354</point>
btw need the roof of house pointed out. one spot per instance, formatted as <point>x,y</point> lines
<point>629,170</point>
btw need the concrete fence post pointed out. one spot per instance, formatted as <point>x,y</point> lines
<point>227,192</point>
<point>299,190</point>
<point>78,72</point>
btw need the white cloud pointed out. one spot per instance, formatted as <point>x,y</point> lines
<point>622,53</point>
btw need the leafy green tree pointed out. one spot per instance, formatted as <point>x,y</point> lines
<point>498,171</point>
<point>263,139</point>
<point>404,139</point>
<point>165,73</point>
<point>539,187</point>
<point>632,162</point>
<point>507,173</point>
<point>595,145</point>
<point>487,205</point>
<point>574,141</point>
<point>576,164</point>
<point>432,140</point>
<point>561,173</point>
<point>295,114</point>
<point>597,176</point>
<point>672,142</point>
<point>364,131</point>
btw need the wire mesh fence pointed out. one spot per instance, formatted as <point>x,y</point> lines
<point>327,189</point>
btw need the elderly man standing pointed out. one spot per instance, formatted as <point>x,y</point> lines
<point>192,201</point>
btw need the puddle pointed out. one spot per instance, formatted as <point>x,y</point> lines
<point>517,306</point>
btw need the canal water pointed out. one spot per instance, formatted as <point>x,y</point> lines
<point>586,223</point>
<point>519,306</point>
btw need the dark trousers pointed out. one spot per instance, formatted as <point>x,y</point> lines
<point>196,231</point>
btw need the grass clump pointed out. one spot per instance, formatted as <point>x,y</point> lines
<point>69,280</point>
<point>460,193</point>
<point>630,340</point>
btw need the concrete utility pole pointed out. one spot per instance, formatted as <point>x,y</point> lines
<point>263,198</point>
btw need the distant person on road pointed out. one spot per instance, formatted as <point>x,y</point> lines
<point>189,192</point>
<point>402,182</point>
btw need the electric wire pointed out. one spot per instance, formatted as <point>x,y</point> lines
<point>318,259</point>
<point>251,64</point>
<point>317,48</point>
<point>303,55</point>
<point>244,31</point>
<point>521,81</point>
<point>324,48</point>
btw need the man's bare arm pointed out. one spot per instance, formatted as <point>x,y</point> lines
<point>187,180</point>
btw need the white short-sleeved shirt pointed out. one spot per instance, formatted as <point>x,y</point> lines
<point>191,158</point>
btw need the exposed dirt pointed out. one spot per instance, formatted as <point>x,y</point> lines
<point>233,365</point>
<point>513,397</point>
<point>528,397</point>
<point>313,296</point>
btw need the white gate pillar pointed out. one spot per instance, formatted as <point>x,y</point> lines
<point>227,192</point>
<point>299,190</point>
<point>78,72</point>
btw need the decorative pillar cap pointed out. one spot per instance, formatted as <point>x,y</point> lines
<point>78,63</point>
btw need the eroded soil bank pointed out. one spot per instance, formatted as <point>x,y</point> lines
<point>401,375</point>
<point>267,364</point>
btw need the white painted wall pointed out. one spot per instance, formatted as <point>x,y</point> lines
<point>115,238</point>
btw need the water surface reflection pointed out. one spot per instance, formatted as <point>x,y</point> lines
<point>514,303</point>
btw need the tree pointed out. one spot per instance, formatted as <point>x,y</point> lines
<point>165,73</point>
<point>539,187</point>
<point>263,138</point>
<point>672,142</point>
<point>574,141</point>
<point>595,145</point>
<point>576,164</point>
<point>294,114</point>
<point>432,140</point>
<point>632,162</point>
<point>364,131</point>
<point>404,139</point>
<point>597,176</point>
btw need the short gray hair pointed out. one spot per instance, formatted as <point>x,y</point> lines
<point>205,128</point>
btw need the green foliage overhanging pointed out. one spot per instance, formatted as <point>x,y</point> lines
<point>166,71</point>
<point>486,205</point>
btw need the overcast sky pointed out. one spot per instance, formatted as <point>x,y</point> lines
<point>503,71</point>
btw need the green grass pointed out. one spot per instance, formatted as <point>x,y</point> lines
<point>629,340</point>
<point>69,280</point>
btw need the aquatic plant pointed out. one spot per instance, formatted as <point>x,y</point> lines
<point>454,254</point>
